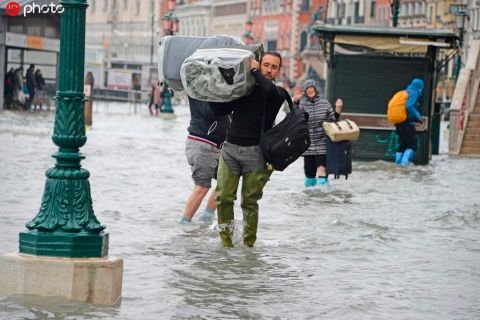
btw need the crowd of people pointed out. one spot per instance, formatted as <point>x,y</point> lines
<point>223,143</point>
<point>20,90</point>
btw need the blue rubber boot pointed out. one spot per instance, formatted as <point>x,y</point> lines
<point>310,182</point>
<point>407,157</point>
<point>184,220</point>
<point>206,215</point>
<point>398,158</point>
<point>322,181</point>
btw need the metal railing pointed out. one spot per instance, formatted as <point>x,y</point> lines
<point>120,95</point>
<point>464,98</point>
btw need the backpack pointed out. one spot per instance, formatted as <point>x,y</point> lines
<point>397,107</point>
<point>288,140</point>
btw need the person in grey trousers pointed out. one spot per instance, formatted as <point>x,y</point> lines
<point>206,134</point>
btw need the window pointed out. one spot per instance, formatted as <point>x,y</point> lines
<point>137,8</point>
<point>341,10</point>
<point>303,40</point>
<point>271,45</point>
<point>403,9</point>
<point>305,5</point>
<point>125,4</point>
<point>373,8</point>
<point>356,9</point>
<point>93,5</point>
<point>105,5</point>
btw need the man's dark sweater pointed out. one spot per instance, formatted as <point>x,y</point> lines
<point>248,111</point>
<point>204,124</point>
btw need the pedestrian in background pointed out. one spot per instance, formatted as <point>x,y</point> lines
<point>9,88</point>
<point>18,95</point>
<point>319,110</point>
<point>155,92</point>
<point>39,84</point>
<point>88,91</point>
<point>406,130</point>
<point>30,82</point>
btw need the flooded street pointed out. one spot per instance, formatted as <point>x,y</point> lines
<point>388,243</point>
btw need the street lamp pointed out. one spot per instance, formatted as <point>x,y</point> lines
<point>170,27</point>
<point>395,6</point>
<point>152,24</point>
<point>460,16</point>
<point>247,36</point>
<point>170,21</point>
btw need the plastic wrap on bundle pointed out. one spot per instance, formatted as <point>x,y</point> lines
<point>175,49</point>
<point>218,74</point>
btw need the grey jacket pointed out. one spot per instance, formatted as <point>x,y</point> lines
<point>319,110</point>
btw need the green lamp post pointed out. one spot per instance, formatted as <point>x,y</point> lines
<point>65,225</point>
<point>460,16</point>
<point>170,27</point>
<point>395,11</point>
<point>167,107</point>
<point>247,35</point>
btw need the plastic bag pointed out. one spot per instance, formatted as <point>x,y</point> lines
<point>218,75</point>
<point>175,49</point>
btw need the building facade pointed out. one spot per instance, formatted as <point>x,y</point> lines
<point>195,18</point>
<point>122,39</point>
<point>229,17</point>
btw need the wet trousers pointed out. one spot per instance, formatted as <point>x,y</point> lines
<point>406,136</point>
<point>252,191</point>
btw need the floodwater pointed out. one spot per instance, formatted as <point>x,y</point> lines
<point>387,243</point>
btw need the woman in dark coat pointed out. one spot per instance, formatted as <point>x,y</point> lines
<point>319,110</point>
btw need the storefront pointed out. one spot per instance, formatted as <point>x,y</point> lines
<point>367,65</point>
<point>31,39</point>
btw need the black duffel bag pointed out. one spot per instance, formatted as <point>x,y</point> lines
<point>288,140</point>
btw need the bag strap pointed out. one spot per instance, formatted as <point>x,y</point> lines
<point>290,105</point>
<point>289,100</point>
<point>338,126</point>
<point>349,124</point>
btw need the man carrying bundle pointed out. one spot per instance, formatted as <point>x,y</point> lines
<point>242,155</point>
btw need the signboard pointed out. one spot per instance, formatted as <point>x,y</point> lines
<point>119,79</point>
<point>32,42</point>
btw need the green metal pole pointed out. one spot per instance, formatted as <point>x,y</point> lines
<point>168,103</point>
<point>395,12</point>
<point>459,56</point>
<point>65,225</point>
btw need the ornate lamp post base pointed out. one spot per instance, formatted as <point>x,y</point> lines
<point>93,280</point>
<point>64,244</point>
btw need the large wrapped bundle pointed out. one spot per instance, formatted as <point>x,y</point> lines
<point>175,49</point>
<point>218,75</point>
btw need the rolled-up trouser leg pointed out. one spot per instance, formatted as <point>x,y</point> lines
<point>227,185</point>
<point>252,191</point>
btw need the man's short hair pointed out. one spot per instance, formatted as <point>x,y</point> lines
<point>272,53</point>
